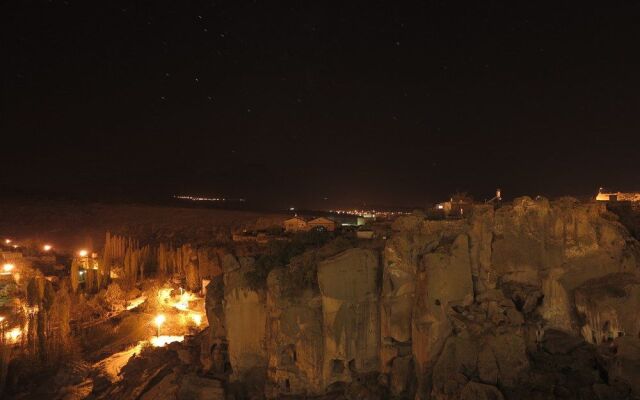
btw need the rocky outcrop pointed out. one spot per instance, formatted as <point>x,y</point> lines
<point>245,318</point>
<point>500,279</point>
<point>608,307</point>
<point>349,288</point>
<point>168,373</point>
<point>508,302</point>
<point>294,340</point>
<point>625,366</point>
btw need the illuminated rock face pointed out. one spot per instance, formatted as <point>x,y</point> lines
<point>609,307</point>
<point>443,281</point>
<point>351,318</point>
<point>475,308</point>
<point>245,318</point>
<point>294,340</point>
<point>499,280</point>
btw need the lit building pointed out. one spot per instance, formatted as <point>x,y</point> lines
<point>322,223</point>
<point>456,207</point>
<point>617,196</point>
<point>295,224</point>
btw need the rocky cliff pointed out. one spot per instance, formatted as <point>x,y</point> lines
<point>530,300</point>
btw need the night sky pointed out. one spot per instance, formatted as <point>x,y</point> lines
<point>288,103</point>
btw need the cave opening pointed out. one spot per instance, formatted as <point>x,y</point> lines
<point>337,366</point>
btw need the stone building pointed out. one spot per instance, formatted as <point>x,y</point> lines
<point>617,196</point>
<point>295,224</point>
<point>322,223</point>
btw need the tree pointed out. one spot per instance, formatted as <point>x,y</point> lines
<point>75,276</point>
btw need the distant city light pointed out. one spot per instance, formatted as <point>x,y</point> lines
<point>368,213</point>
<point>47,247</point>
<point>201,198</point>
<point>7,241</point>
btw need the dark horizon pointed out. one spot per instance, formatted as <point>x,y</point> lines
<point>289,104</point>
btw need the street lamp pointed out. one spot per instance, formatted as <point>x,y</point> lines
<point>83,253</point>
<point>47,247</point>
<point>159,320</point>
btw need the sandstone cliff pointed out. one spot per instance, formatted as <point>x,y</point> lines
<point>530,300</point>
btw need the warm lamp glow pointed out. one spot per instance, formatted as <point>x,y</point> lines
<point>196,318</point>
<point>159,320</point>
<point>83,253</point>
<point>47,247</point>
<point>7,241</point>
<point>183,304</point>
<point>13,335</point>
<point>8,267</point>
<point>161,341</point>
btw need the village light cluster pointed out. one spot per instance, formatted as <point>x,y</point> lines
<point>200,198</point>
<point>368,213</point>
<point>45,247</point>
<point>7,268</point>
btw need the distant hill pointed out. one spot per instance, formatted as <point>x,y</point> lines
<point>69,225</point>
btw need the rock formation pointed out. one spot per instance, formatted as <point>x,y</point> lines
<point>530,300</point>
<point>350,314</point>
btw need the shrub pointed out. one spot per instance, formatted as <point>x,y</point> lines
<point>115,298</point>
<point>281,253</point>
